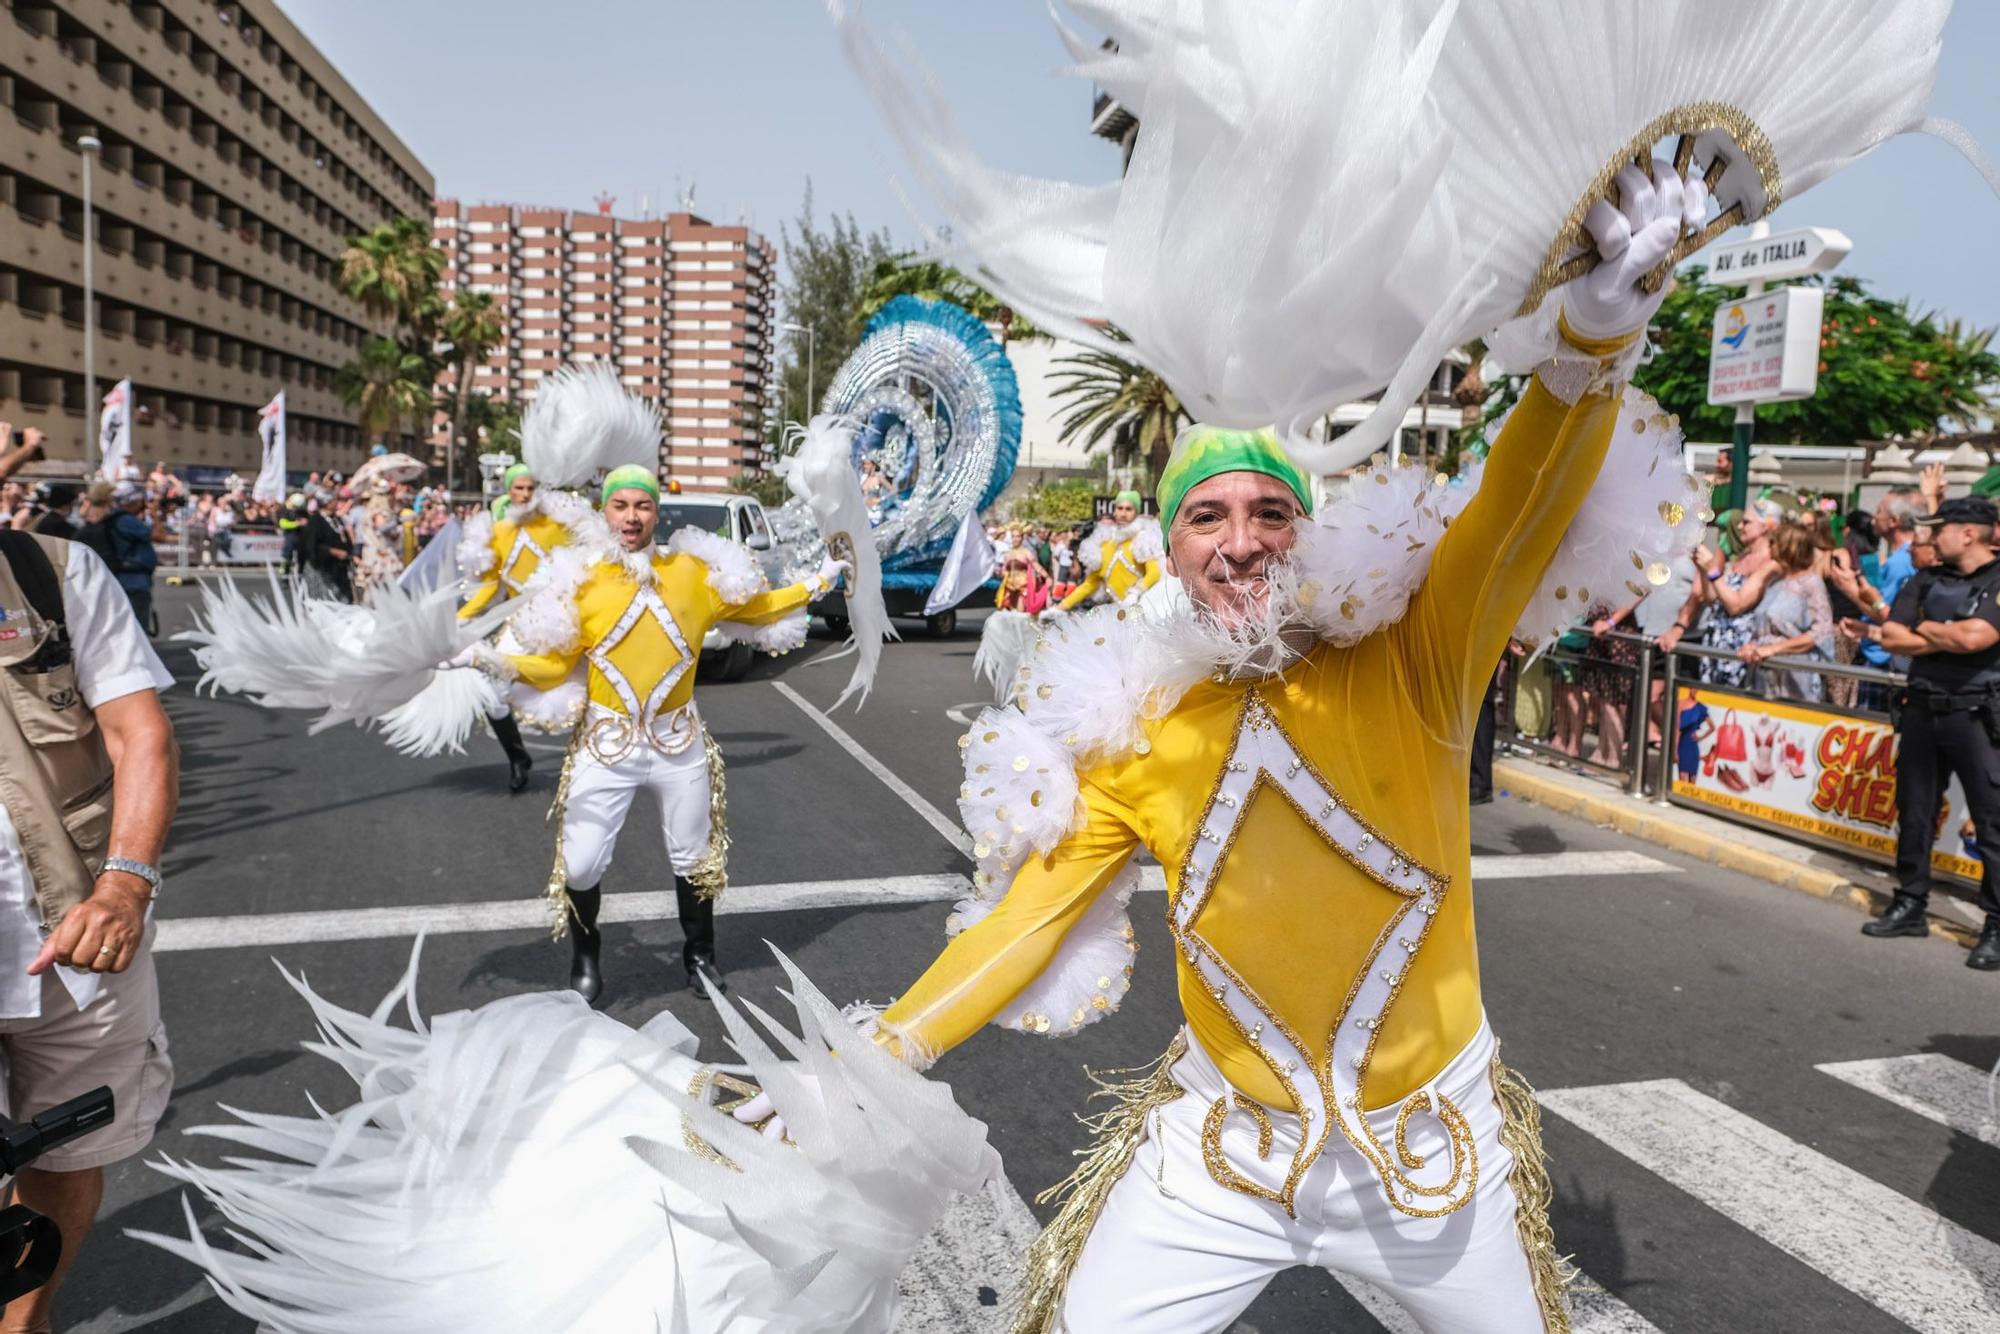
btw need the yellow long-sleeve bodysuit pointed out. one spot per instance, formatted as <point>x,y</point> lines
<point>519,548</point>
<point>643,639</point>
<point>1121,571</point>
<point>1314,827</point>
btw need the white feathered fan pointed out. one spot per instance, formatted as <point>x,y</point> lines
<point>1327,195</point>
<point>582,423</point>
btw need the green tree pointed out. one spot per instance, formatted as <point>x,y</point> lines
<point>1108,399</point>
<point>498,418</point>
<point>826,272</point>
<point>1884,369</point>
<point>471,329</point>
<point>1059,504</point>
<point>387,386</point>
<point>907,274</point>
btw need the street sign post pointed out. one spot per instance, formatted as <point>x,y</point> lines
<point>1765,349</point>
<point>1767,256</point>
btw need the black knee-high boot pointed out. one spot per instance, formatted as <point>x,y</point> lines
<point>519,761</point>
<point>586,978</point>
<point>697,916</point>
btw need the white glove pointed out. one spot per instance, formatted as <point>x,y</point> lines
<point>761,1108</point>
<point>1052,612</point>
<point>1651,217</point>
<point>830,570</point>
<point>465,657</point>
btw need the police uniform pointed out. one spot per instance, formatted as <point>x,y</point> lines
<point>1948,723</point>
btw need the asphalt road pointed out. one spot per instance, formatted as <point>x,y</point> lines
<point>1788,1198</point>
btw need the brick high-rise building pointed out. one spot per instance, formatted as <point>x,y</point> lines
<point>682,307</point>
<point>235,164</point>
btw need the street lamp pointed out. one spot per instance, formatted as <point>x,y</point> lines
<point>89,144</point>
<point>810,386</point>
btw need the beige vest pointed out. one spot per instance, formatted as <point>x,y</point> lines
<point>55,776</point>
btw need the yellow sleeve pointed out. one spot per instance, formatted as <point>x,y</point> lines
<point>1092,581</point>
<point>546,671</point>
<point>768,607</point>
<point>989,963</point>
<point>476,601</point>
<point>1154,570</point>
<point>1492,558</point>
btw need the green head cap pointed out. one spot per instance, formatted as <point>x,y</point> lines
<point>1128,498</point>
<point>1203,452</point>
<point>514,474</point>
<point>630,477</point>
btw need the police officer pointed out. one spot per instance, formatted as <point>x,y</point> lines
<point>1946,621</point>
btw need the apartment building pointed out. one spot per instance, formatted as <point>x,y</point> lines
<point>683,307</point>
<point>235,164</point>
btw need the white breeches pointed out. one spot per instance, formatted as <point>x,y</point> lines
<point>600,794</point>
<point>1175,1252</point>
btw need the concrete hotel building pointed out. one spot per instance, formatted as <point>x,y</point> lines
<point>236,163</point>
<point>681,306</point>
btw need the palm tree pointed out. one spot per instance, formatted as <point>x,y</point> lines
<point>1107,397</point>
<point>393,271</point>
<point>905,274</point>
<point>472,328</point>
<point>387,385</point>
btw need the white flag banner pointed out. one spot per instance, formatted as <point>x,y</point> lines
<point>270,483</point>
<point>114,432</point>
<point>971,563</point>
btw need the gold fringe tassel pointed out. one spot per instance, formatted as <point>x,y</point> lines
<point>1521,1135</point>
<point>710,875</point>
<point>1115,1136</point>
<point>557,889</point>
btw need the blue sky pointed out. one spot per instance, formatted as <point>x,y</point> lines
<point>743,100</point>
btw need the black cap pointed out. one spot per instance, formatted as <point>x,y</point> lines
<point>1963,509</point>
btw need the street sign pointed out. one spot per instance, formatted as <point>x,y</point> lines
<point>1765,349</point>
<point>1769,259</point>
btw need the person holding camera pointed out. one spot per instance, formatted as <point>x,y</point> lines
<point>89,776</point>
<point>1946,620</point>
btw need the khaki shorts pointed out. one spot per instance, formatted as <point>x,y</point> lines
<point>119,1041</point>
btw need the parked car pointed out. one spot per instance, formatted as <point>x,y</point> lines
<point>740,519</point>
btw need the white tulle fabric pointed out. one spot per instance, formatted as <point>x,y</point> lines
<point>351,664</point>
<point>1326,196</point>
<point>1006,641</point>
<point>582,423</point>
<point>530,1166</point>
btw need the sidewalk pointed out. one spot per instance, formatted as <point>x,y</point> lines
<point>1735,847</point>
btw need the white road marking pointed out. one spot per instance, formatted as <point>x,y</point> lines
<point>1939,1279</point>
<point>1933,1086</point>
<point>523,913</point>
<point>294,928</point>
<point>931,815</point>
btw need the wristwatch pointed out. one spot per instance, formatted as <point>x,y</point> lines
<point>132,866</point>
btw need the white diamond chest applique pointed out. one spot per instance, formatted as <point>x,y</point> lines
<point>646,602</point>
<point>1330,1094</point>
<point>523,544</point>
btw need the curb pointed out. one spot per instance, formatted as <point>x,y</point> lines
<point>1642,821</point>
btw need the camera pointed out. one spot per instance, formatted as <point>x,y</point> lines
<point>30,1243</point>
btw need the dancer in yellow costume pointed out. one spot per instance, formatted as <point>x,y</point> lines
<point>1121,557</point>
<point>633,619</point>
<point>501,552</point>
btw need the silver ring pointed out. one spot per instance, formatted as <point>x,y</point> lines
<point>107,950</point>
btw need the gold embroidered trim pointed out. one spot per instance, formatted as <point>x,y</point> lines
<point>710,875</point>
<point>1116,1134</point>
<point>1521,1135</point>
<point>706,1078</point>
<point>557,889</point>
<point>1563,262</point>
<point>1218,1161</point>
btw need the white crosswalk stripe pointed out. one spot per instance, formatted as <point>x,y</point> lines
<point>1940,1278</point>
<point>1933,1086</point>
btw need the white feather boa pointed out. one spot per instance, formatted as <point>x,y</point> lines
<point>476,557</point>
<point>554,711</point>
<point>821,473</point>
<point>1098,679</point>
<point>779,637</point>
<point>733,571</point>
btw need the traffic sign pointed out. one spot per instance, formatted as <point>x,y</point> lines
<point>1765,349</point>
<point>1768,259</point>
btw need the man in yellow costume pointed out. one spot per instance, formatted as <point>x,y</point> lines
<point>1335,1097</point>
<point>633,620</point>
<point>501,552</point>
<point>1121,557</point>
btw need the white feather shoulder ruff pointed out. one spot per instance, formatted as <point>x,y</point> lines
<point>1148,542</point>
<point>547,620</point>
<point>475,547</point>
<point>733,571</point>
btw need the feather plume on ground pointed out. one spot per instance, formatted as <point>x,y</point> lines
<point>472,1132</point>
<point>582,423</point>
<point>821,473</point>
<point>351,664</point>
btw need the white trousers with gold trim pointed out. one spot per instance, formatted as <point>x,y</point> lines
<point>1175,1252</point>
<point>600,797</point>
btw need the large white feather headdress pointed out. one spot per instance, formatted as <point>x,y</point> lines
<point>1327,195</point>
<point>582,423</point>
